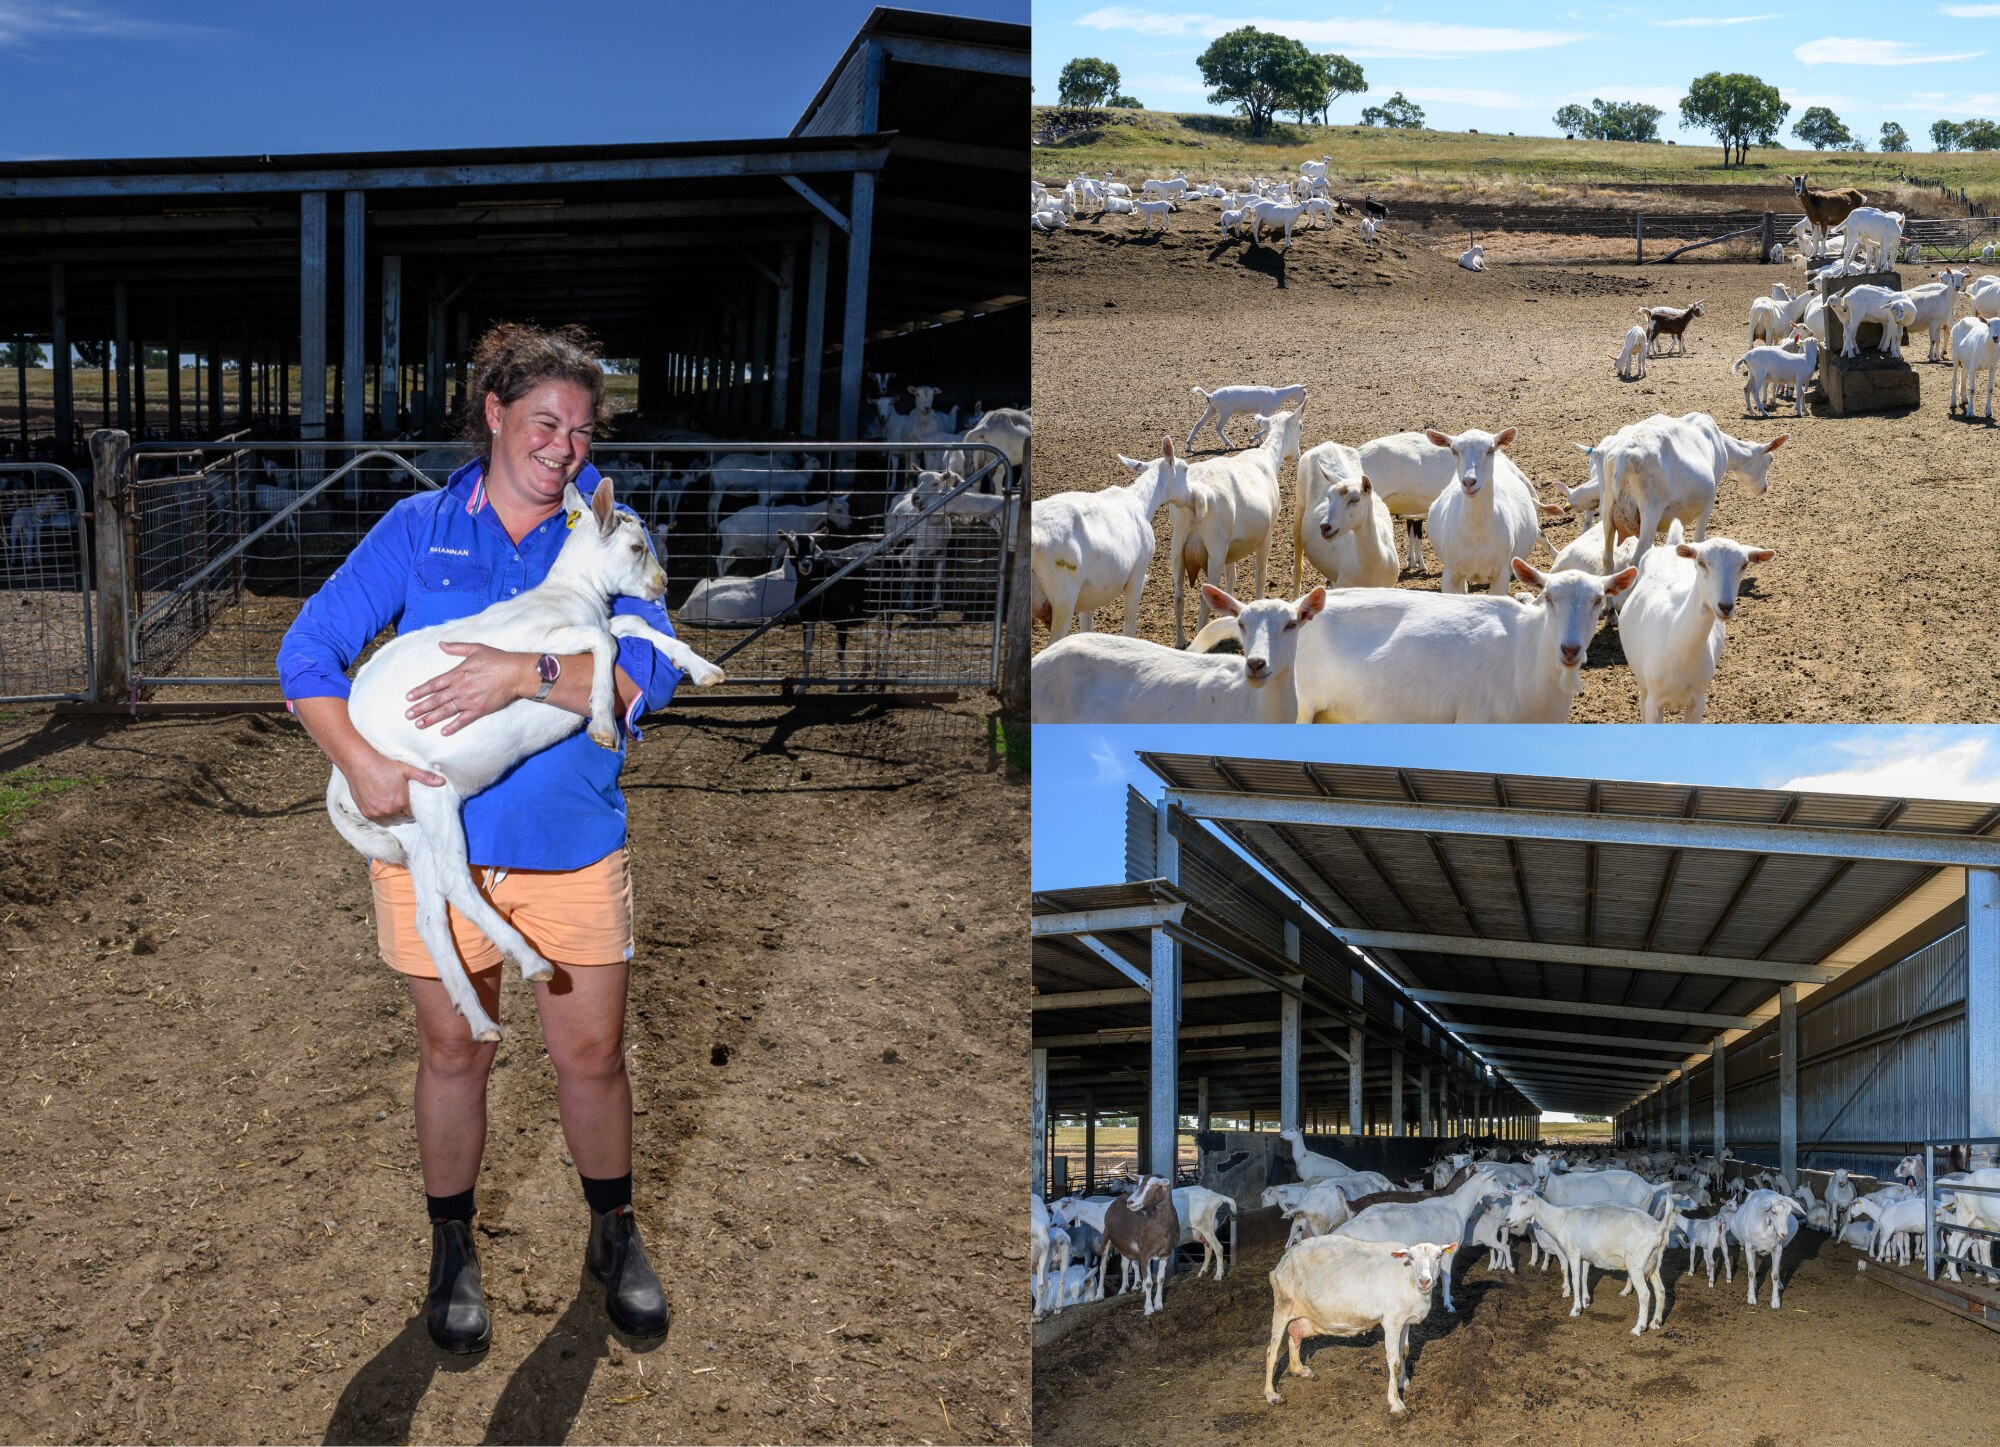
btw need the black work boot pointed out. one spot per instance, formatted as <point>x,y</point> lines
<point>455,1309</point>
<point>615,1256</point>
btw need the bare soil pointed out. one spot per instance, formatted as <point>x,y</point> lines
<point>1878,606</point>
<point>213,1228</point>
<point>1842,1357</point>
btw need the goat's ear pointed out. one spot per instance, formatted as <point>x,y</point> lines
<point>1506,435</point>
<point>1311,604</point>
<point>1762,555</point>
<point>1220,601</point>
<point>1619,582</point>
<point>600,505</point>
<point>572,499</point>
<point>1776,442</point>
<point>1436,438</point>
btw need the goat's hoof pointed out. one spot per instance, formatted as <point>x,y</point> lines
<point>604,738</point>
<point>535,973</point>
<point>488,1035</point>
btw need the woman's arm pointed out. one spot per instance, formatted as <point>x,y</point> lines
<point>380,785</point>
<point>491,678</point>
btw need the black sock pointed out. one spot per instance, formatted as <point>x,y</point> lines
<point>607,1194</point>
<point>450,1208</point>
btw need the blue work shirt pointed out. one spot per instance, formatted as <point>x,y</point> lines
<point>444,555</point>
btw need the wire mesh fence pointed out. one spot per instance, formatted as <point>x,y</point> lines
<point>45,597</point>
<point>229,539</point>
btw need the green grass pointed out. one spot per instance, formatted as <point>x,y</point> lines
<point>23,787</point>
<point>1455,164</point>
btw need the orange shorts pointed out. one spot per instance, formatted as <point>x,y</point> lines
<point>573,917</point>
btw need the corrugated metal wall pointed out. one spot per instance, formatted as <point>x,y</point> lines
<point>840,113</point>
<point>1142,840</point>
<point>1867,1085</point>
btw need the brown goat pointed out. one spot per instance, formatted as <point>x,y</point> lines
<point>1376,1198</point>
<point>1825,209</point>
<point>1664,321</point>
<point>1142,1227</point>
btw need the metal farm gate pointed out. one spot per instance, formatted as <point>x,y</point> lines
<point>45,602</point>
<point>224,541</point>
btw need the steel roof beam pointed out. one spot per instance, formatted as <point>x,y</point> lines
<point>1501,1054</point>
<point>1888,846</point>
<point>1101,999</point>
<point>1588,1007</point>
<point>1571,1037</point>
<point>1097,921</point>
<point>445,177</point>
<point>1589,955</point>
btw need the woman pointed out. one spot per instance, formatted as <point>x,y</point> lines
<point>547,842</point>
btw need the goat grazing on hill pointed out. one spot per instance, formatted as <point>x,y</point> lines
<point>567,612</point>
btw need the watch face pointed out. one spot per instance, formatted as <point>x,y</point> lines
<point>548,667</point>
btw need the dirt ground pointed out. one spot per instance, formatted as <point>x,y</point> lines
<point>1840,1360</point>
<point>213,1228</point>
<point>1868,613</point>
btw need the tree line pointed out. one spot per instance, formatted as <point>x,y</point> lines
<point>1263,76</point>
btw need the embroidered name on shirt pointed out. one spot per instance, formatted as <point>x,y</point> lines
<point>454,552</point>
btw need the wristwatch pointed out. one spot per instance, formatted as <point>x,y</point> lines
<point>549,667</point>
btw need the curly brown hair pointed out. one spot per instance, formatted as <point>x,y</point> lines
<point>513,358</point>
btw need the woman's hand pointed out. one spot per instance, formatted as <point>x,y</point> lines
<point>381,786</point>
<point>488,680</point>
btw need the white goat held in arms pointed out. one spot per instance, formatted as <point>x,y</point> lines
<point>567,612</point>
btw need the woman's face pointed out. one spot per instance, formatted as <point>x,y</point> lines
<point>540,441</point>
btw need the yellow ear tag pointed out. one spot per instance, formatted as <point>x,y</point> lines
<point>570,521</point>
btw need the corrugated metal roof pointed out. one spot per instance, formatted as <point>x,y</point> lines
<point>1720,902</point>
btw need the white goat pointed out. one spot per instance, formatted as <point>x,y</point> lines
<point>1866,228</point>
<point>753,531</point>
<point>759,475</point>
<point>1631,357</point>
<point>1673,622</point>
<point>1106,678</point>
<point>1768,367</point>
<point>1764,1223</point>
<point>1772,318</point>
<point>1609,1237</point>
<point>1473,259</point>
<point>1333,1286</point>
<point>1485,522</point>
<point>1710,1236</point>
<point>720,602</point>
<point>1229,513</point>
<point>604,557</point>
<point>1343,527</point>
<point>1584,553</point>
<point>1934,300</point>
<point>1200,1212</point>
<point>1983,295</point>
<point>1857,306</point>
<point>1227,402</point>
<point>1151,211</point>
<point>1975,348</point>
<point>1385,655</point>
<point>1443,1219</point>
<point>1091,547</point>
<point>1670,467</point>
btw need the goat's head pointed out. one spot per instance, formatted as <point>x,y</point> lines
<point>1346,506</point>
<point>1425,1261</point>
<point>1287,423</point>
<point>1755,468</point>
<point>924,396</point>
<point>610,547</point>
<point>1270,629</point>
<point>1473,452</point>
<point>1576,603</point>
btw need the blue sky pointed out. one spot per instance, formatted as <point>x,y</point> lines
<point>1082,771</point>
<point>1502,68</point>
<point>101,78</point>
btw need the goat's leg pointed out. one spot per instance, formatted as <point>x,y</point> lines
<point>433,923</point>
<point>698,669</point>
<point>440,835</point>
<point>602,646</point>
<point>1280,1333</point>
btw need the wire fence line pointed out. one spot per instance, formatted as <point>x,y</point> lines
<point>45,585</point>
<point>218,545</point>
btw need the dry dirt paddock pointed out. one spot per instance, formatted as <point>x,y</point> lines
<point>211,1221</point>
<point>1837,1365</point>
<point>1881,601</point>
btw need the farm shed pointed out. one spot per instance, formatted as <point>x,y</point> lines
<point>752,279</point>
<point>1197,988</point>
<point>1615,947</point>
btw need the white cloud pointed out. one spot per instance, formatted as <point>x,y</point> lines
<point>1838,50</point>
<point>1113,766</point>
<point>1719,20</point>
<point>1936,102</point>
<point>1498,100</point>
<point>1971,12</point>
<point>1800,100</point>
<point>1358,38</point>
<point>1912,764</point>
<point>21,24</point>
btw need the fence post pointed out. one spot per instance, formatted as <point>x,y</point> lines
<point>1639,236</point>
<point>114,575</point>
<point>1765,238</point>
<point>1015,702</point>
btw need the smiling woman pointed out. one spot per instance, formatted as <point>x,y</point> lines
<point>547,842</point>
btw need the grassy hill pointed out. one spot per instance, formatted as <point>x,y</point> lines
<point>1463,166</point>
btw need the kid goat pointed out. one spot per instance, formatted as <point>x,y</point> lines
<point>567,612</point>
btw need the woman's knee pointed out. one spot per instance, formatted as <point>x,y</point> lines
<point>594,1059</point>
<point>455,1056</point>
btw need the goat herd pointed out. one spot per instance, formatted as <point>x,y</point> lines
<point>1280,204</point>
<point>1364,1253</point>
<point>1360,649</point>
